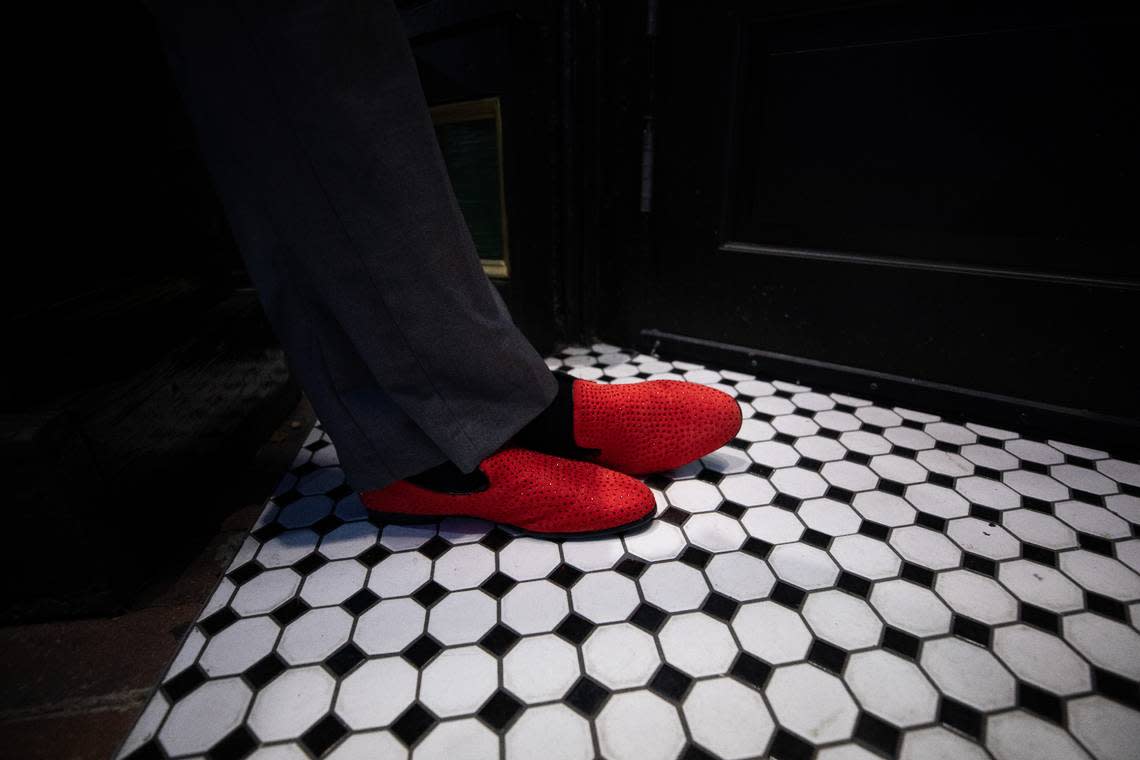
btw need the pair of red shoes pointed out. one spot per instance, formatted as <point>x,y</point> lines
<point>633,429</point>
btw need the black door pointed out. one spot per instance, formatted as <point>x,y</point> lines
<point>930,193</point>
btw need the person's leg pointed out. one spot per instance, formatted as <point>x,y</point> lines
<point>314,126</point>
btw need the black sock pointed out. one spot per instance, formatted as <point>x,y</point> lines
<point>552,431</point>
<point>447,478</point>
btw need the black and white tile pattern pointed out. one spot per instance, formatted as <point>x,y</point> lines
<point>843,581</point>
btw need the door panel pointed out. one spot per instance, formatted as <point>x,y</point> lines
<point>936,195</point>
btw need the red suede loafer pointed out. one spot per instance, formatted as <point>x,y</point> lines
<point>657,425</point>
<point>535,492</point>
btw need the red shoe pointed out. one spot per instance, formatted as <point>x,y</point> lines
<point>652,426</point>
<point>535,492</point>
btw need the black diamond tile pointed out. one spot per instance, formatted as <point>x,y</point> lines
<point>412,724</point>
<point>498,711</point>
<point>987,473</point>
<point>826,432</point>
<point>360,601</point>
<point>892,487</point>
<point>739,443</point>
<point>1039,554</point>
<point>587,696</point>
<point>918,574</point>
<point>1086,497</point>
<point>856,457</point>
<point>565,575</point>
<point>670,683</point>
<point>647,617</point>
<point>720,606</point>
<point>498,584</point>
<point>788,746</point>
<point>149,751</point>
<point>949,448</point>
<point>218,622</point>
<point>816,538</point>
<point>245,573</point>
<point>327,732</point>
<point>1048,706</point>
<point>674,516</point>
<point>756,547</point>
<point>574,628</point>
<point>874,530</point>
<point>827,656</point>
<point>1115,686</point>
<point>807,463</point>
<point>710,476</point>
<point>658,481</point>
<point>184,683</point>
<point>960,716</point>
<point>751,670</point>
<point>237,744</point>
<point>979,564</point>
<point>1040,617</point>
<point>495,539</point>
<point>429,593</point>
<point>972,630</point>
<point>499,640</point>
<point>373,555</point>
<point>1129,490</point>
<point>993,443</point>
<point>784,438</point>
<point>787,595</point>
<point>854,584</point>
<point>933,522</point>
<point>631,567</point>
<point>732,509</point>
<point>836,493</point>
<point>340,492</point>
<point>901,642</point>
<point>696,752</point>
<point>803,413</point>
<point>264,670</point>
<point>326,525</point>
<point>290,611</point>
<point>1036,467</point>
<point>310,563</point>
<point>912,424</point>
<point>1095,544</point>
<point>421,651</point>
<point>268,532</point>
<point>434,547</point>
<point>762,470</point>
<point>867,427</point>
<point>1103,605</point>
<point>343,660</point>
<point>695,557</point>
<point>1077,461</point>
<point>940,479</point>
<point>989,514</point>
<point>1036,505</point>
<point>301,471</point>
<point>877,733</point>
<point>787,501</point>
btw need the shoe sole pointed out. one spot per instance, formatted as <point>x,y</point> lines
<point>406,518</point>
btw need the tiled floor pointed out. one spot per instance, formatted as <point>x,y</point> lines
<point>843,581</point>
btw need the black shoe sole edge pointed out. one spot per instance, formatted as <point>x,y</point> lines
<point>405,518</point>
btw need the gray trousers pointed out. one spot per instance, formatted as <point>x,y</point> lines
<point>312,122</point>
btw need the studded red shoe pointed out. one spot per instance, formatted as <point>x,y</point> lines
<point>534,492</point>
<point>636,428</point>
<point>652,426</point>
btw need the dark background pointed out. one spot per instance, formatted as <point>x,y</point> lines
<point>928,201</point>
